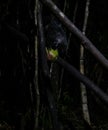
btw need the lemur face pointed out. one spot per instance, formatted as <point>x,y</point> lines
<point>55,35</point>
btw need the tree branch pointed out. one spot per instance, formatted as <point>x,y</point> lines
<point>36,82</point>
<point>16,33</point>
<point>46,73</point>
<point>84,40</point>
<point>89,84</point>
<point>83,87</point>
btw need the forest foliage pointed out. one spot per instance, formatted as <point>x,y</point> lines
<point>39,94</point>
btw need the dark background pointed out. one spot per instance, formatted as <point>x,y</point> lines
<point>17,67</point>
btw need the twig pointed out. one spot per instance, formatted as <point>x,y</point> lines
<point>84,40</point>
<point>36,73</point>
<point>82,86</point>
<point>16,33</point>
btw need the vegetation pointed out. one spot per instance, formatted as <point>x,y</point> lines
<point>37,93</point>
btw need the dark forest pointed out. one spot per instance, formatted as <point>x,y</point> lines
<point>53,65</point>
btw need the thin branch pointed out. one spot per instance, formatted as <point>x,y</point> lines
<point>84,40</point>
<point>42,49</point>
<point>64,8</point>
<point>83,87</point>
<point>15,33</point>
<point>89,84</point>
<point>46,73</point>
<point>36,74</point>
